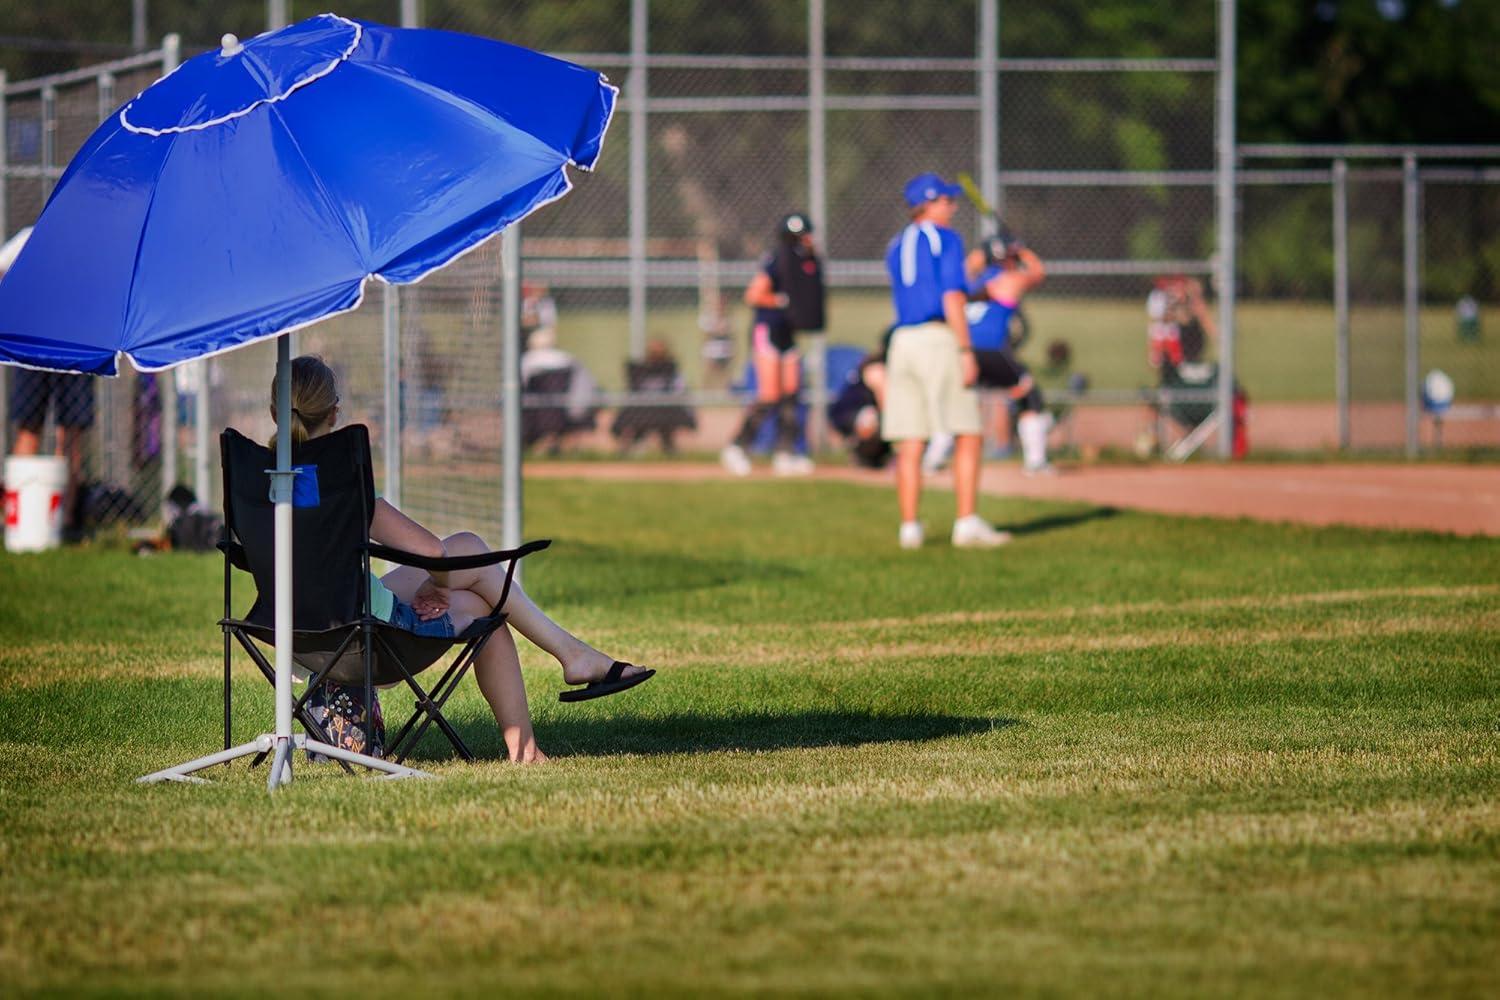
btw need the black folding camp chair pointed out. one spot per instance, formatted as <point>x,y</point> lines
<point>334,635</point>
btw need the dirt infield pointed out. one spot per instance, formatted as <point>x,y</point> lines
<point>1463,500</point>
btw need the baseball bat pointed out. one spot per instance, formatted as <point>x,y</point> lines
<point>978,200</point>
<point>976,197</point>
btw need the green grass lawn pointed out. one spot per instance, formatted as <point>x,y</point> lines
<point>1128,754</point>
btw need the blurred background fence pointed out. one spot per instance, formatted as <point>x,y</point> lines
<point>1350,265</point>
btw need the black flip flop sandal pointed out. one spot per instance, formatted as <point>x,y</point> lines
<point>612,682</point>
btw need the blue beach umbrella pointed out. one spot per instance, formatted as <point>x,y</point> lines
<point>258,188</point>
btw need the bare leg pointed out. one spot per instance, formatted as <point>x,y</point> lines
<point>791,374</point>
<point>498,671</point>
<point>909,476</point>
<point>580,661</point>
<point>967,450</point>
<point>768,382</point>
<point>70,447</point>
<point>1002,423</point>
<point>497,668</point>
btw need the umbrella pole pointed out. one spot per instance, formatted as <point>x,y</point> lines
<point>281,496</point>
<point>282,742</point>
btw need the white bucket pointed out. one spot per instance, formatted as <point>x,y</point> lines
<point>34,487</point>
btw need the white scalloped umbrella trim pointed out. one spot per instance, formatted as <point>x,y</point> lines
<point>211,123</point>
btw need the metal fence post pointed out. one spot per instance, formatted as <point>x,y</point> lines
<point>510,389</point>
<point>639,138</point>
<point>391,383</point>
<point>1227,233</point>
<point>111,464</point>
<point>49,138</point>
<point>989,108</point>
<point>391,297</point>
<point>1411,220</point>
<point>202,482</point>
<point>106,85</point>
<point>817,206</point>
<point>166,383</point>
<point>138,26</point>
<point>1341,297</point>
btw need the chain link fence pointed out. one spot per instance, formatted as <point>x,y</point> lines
<point>1105,162</point>
<point>1364,270</point>
<point>120,432</point>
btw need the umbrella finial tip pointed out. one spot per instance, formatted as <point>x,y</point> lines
<point>230,45</point>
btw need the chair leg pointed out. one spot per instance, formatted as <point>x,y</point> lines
<point>394,744</point>
<point>429,709</point>
<point>228,694</point>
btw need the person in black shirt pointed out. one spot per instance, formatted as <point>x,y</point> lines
<point>787,296</point>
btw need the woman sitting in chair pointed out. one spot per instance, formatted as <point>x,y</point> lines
<point>446,603</point>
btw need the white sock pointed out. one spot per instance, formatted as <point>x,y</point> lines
<point>1032,429</point>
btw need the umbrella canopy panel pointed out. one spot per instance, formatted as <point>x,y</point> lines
<point>258,187</point>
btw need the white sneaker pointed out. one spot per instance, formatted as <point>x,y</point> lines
<point>734,459</point>
<point>974,532</point>
<point>911,534</point>
<point>785,463</point>
<point>1045,469</point>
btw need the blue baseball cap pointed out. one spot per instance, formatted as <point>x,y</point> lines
<point>928,187</point>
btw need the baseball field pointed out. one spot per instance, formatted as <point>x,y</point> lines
<point>1129,753</point>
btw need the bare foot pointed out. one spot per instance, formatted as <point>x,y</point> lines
<point>532,755</point>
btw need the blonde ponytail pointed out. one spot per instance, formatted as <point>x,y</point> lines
<point>315,395</point>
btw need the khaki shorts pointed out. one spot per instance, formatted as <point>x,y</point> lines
<point>925,392</point>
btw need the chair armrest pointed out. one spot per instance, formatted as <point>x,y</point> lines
<point>448,563</point>
<point>235,553</point>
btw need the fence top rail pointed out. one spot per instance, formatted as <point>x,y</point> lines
<point>1108,178</point>
<point>565,272</point>
<point>40,83</point>
<point>736,396</point>
<point>1294,151</point>
<point>833,102</point>
<point>894,64</point>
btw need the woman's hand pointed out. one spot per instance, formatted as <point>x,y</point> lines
<point>430,601</point>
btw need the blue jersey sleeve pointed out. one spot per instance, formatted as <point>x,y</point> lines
<point>951,264</point>
<point>979,287</point>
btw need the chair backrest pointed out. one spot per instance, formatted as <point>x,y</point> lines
<point>549,380</point>
<point>839,360</point>
<point>333,501</point>
<point>651,376</point>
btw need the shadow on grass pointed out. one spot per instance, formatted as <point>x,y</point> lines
<point>1057,521</point>
<point>697,733</point>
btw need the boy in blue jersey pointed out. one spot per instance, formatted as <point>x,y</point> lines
<point>930,366</point>
<point>1003,270</point>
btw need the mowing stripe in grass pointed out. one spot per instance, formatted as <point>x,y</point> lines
<point>1125,610</point>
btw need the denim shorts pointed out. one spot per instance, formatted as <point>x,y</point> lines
<point>404,618</point>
